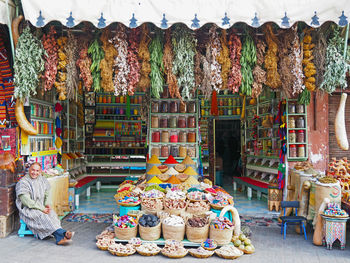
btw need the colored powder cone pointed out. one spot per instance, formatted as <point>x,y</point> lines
<point>170,160</point>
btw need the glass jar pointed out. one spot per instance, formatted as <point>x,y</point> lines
<point>181,122</point>
<point>155,106</point>
<point>292,136</point>
<point>156,136</point>
<point>191,151</point>
<point>183,107</point>
<point>300,122</point>
<point>121,99</point>
<point>301,150</point>
<point>191,136</point>
<point>292,151</point>
<point>191,107</point>
<point>300,108</point>
<point>139,99</point>
<point>155,122</point>
<point>165,93</point>
<point>191,122</point>
<point>291,122</point>
<point>182,151</point>
<point>172,122</point>
<point>164,107</point>
<point>109,99</point>
<point>174,107</point>
<point>165,136</point>
<point>163,122</point>
<point>300,136</point>
<point>173,137</point>
<point>174,150</point>
<point>164,151</point>
<point>182,136</point>
<point>291,108</point>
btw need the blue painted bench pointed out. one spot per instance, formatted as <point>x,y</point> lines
<point>81,186</point>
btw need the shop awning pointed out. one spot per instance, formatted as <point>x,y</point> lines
<point>6,14</point>
<point>193,13</point>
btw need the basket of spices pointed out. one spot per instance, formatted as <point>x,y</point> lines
<point>174,249</point>
<point>197,229</point>
<point>149,227</point>
<point>209,244</point>
<point>175,202</point>
<point>173,227</point>
<point>152,201</point>
<point>180,167</point>
<point>170,161</point>
<point>182,177</point>
<point>197,208</point>
<point>221,230</point>
<point>125,227</point>
<point>104,243</point>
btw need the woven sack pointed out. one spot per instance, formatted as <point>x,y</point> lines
<point>125,233</point>
<point>221,236</point>
<point>197,234</point>
<point>176,212</point>
<point>150,233</point>
<point>173,232</point>
<point>150,211</point>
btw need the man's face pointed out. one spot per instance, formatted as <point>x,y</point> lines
<point>34,171</point>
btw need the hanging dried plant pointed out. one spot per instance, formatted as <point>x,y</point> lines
<point>51,58</point>
<point>248,60</point>
<point>157,67</point>
<point>121,66</point>
<point>168,58</point>
<point>71,50</point>
<point>319,53</point>
<point>224,59</point>
<point>61,77</point>
<point>215,49</point>
<point>235,76</point>
<point>259,73</point>
<point>184,45</point>
<point>133,60</point>
<point>84,63</point>
<point>107,62</point>
<point>273,79</point>
<point>96,53</point>
<point>309,66</point>
<point>206,87</point>
<point>144,56</point>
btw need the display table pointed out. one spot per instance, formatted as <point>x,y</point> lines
<point>333,229</point>
<point>58,197</point>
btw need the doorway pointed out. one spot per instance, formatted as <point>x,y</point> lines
<point>227,150</point>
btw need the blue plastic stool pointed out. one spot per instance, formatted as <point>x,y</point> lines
<point>123,210</point>
<point>23,230</point>
<point>227,214</point>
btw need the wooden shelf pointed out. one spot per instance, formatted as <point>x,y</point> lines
<point>264,169</point>
<point>41,102</point>
<point>34,118</point>
<point>116,164</point>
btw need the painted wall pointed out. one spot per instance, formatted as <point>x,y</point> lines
<point>318,131</point>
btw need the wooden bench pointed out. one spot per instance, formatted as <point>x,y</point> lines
<point>251,184</point>
<point>81,186</point>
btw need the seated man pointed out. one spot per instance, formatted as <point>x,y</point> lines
<point>32,196</point>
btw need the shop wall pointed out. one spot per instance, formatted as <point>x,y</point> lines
<point>318,130</point>
<point>334,150</point>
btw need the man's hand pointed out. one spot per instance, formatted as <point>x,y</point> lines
<point>47,210</point>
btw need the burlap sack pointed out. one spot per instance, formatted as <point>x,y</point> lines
<point>150,233</point>
<point>173,232</point>
<point>125,233</point>
<point>197,234</point>
<point>222,237</point>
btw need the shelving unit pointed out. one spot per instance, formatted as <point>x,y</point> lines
<point>295,119</point>
<point>166,138</point>
<point>229,107</point>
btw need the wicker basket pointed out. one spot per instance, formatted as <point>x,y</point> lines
<point>197,234</point>
<point>210,248</point>
<point>217,207</point>
<point>147,254</point>
<point>174,255</point>
<point>173,232</point>
<point>177,212</point>
<point>221,236</point>
<point>121,254</point>
<point>101,247</point>
<point>125,233</point>
<point>150,211</point>
<point>197,212</point>
<point>196,255</point>
<point>150,233</point>
<point>128,204</point>
<point>226,256</point>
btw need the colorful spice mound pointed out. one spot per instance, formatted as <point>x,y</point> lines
<point>156,55</point>
<point>170,160</point>
<point>190,171</point>
<point>273,79</point>
<point>124,221</point>
<point>28,64</point>
<point>133,60</point>
<point>144,56</point>
<point>248,60</point>
<point>51,58</point>
<point>188,161</point>
<point>154,180</point>
<point>156,187</point>
<point>107,62</point>
<point>154,160</point>
<point>221,223</point>
<point>235,76</point>
<point>171,171</point>
<point>121,66</point>
<point>173,180</point>
<point>154,171</point>
<point>184,47</point>
<point>97,54</point>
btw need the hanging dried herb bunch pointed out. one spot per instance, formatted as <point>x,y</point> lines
<point>224,59</point>
<point>168,58</point>
<point>184,45</point>
<point>133,60</point>
<point>71,50</point>
<point>106,64</point>
<point>319,53</point>
<point>51,58</point>
<point>157,67</point>
<point>248,61</point>
<point>336,65</point>
<point>309,66</point>
<point>259,73</point>
<point>144,56</point>
<point>84,63</point>
<point>96,53</point>
<point>235,76</point>
<point>28,64</point>
<point>61,77</point>
<point>206,87</point>
<point>121,66</point>
<point>215,49</point>
<point>273,79</point>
